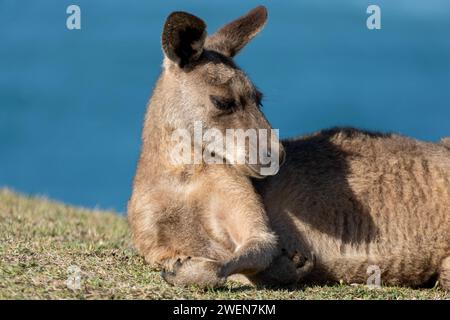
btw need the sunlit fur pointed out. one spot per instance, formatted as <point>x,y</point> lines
<point>345,199</point>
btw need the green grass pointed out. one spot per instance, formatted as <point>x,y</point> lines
<point>41,239</point>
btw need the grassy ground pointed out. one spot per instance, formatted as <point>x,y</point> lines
<point>41,242</point>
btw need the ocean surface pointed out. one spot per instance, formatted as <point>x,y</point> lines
<point>72,101</point>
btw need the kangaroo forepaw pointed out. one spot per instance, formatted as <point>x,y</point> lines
<point>169,274</point>
<point>198,272</point>
<point>286,269</point>
<point>303,264</point>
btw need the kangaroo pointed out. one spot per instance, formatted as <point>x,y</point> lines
<point>343,200</point>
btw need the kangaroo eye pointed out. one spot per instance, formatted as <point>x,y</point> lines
<point>223,103</point>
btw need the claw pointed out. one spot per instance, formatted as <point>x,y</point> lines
<point>177,265</point>
<point>167,276</point>
<point>298,260</point>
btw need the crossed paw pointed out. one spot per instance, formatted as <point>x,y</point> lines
<point>200,272</point>
<point>286,269</point>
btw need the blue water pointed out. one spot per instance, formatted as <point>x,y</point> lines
<point>72,102</point>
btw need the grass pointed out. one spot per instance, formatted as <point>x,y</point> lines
<point>40,240</point>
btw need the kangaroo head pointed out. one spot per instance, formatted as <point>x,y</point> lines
<point>201,84</point>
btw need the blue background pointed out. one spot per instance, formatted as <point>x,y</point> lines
<point>72,102</point>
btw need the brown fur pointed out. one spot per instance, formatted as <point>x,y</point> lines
<point>345,199</point>
<point>357,198</point>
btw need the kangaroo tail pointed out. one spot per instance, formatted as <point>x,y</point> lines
<point>446,142</point>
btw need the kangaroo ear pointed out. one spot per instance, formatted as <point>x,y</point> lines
<point>232,37</point>
<point>183,38</point>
